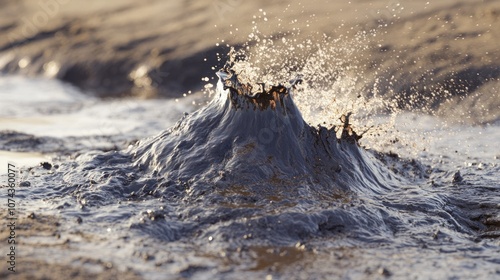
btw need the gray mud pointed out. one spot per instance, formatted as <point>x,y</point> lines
<point>244,187</point>
<point>117,183</point>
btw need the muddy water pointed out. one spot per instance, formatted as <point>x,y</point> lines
<point>318,157</point>
<point>244,187</point>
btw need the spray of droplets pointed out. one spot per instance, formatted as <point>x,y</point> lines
<point>334,81</point>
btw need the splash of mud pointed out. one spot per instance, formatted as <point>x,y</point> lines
<point>248,185</point>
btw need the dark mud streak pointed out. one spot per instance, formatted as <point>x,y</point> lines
<point>98,77</point>
<point>111,79</point>
<point>30,40</point>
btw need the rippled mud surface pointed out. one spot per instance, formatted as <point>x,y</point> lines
<point>244,187</point>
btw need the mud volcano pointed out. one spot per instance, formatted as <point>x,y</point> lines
<point>245,154</point>
<point>257,140</point>
<point>245,184</point>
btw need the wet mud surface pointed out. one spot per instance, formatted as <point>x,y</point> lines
<point>358,142</point>
<point>42,233</point>
<point>240,187</point>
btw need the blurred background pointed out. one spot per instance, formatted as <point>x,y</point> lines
<point>164,48</point>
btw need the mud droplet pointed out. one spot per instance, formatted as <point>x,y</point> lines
<point>46,165</point>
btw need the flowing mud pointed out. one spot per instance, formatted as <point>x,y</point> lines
<point>244,187</point>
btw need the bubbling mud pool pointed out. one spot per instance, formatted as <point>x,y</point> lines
<point>244,187</point>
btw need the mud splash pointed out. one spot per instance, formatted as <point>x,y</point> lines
<point>250,186</point>
<point>244,185</point>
